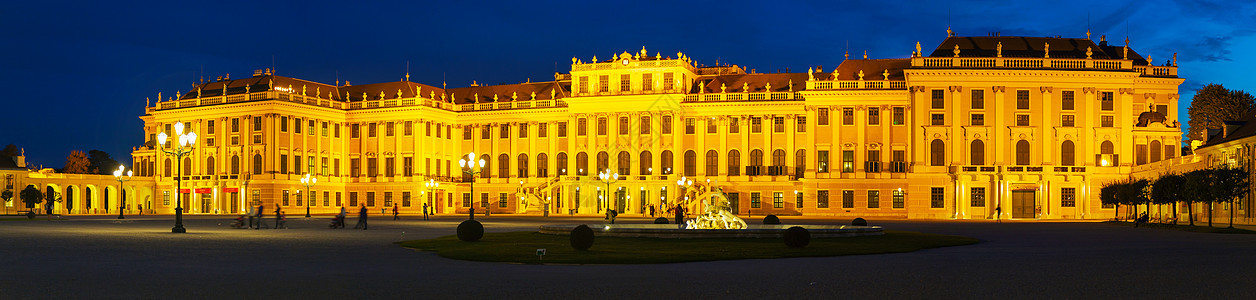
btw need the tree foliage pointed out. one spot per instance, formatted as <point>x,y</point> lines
<point>10,150</point>
<point>100,162</point>
<point>32,196</point>
<point>1167,189</point>
<point>76,163</point>
<point>1214,104</point>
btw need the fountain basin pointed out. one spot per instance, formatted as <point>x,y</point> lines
<point>670,231</point>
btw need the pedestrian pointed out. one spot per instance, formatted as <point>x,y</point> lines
<point>361,219</point>
<point>261,212</point>
<point>613,214</point>
<point>251,214</point>
<point>998,214</point>
<point>651,211</point>
<point>425,206</point>
<point>395,217</point>
<point>680,216</point>
<point>278,215</point>
<point>341,217</point>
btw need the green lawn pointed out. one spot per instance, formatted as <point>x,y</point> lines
<point>1199,227</point>
<point>520,247</point>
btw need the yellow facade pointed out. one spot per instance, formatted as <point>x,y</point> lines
<point>887,138</point>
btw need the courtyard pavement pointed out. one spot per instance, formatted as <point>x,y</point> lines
<point>138,258</point>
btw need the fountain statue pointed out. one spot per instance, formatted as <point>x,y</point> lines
<point>715,215</point>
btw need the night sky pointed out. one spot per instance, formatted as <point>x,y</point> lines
<point>75,75</point>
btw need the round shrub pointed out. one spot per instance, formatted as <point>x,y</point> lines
<point>582,237</point>
<point>470,230</point>
<point>859,222</point>
<point>797,237</point>
<point>771,220</point>
<point>661,220</point>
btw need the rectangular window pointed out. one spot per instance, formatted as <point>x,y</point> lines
<point>285,198</point>
<point>336,167</point>
<point>355,167</point>
<point>647,82</point>
<point>872,163</point>
<point>523,130</point>
<point>466,199</point>
<point>339,199</point>
<point>898,163</point>
<point>938,99</point>
<point>623,126</point>
<point>797,199</point>
<point>371,129</point>
<point>848,199</point>
<point>1105,121</point>
<point>235,125</point>
<point>601,126</point>
<point>977,197</point>
<point>542,129</point>
<point>257,123</point>
<point>370,199</point>
<point>778,124</point>
<point>1105,101</point>
<point>407,128</point>
<point>778,200</point>
<point>504,131</point>
<point>486,131</point>
<point>388,199</point>
<point>848,116</point>
<point>405,199</point>
<point>822,161</point>
<point>1068,197</point>
<point>283,124</point>
<point>603,83</point>
<point>562,129</point>
<point>1022,99</point>
<point>848,161</point>
<point>689,124</point>
<point>582,126</point>
<point>389,128</point>
<point>979,99</point>
<point>666,124</point>
<point>754,200</point>
<point>283,164</point>
<point>822,199</point>
<point>1066,120</point>
<point>501,199</point>
<point>898,198</point>
<point>800,123</point>
<point>734,125</point>
<point>324,132</point>
<point>822,116</point>
<point>235,140</point>
<point>756,125</point>
<point>1066,100</point>
<point>310,166</point>
<point>584,89</point>
<point>645,124</point>
<point>1022,120</point>
<point>978,120</point>
<point>165,197</point>
<point>310,127</point>
<point>874,199</point>
<point>372,166</point>
<point>874,116</point>
<point>668,81</point>
<point>353,198</point>
<point>296,125</point>
<point>336,130</point>
<point>937,197</point>
<point>325,168</point>
<point>390,166</point>
<point>466,133</point>
<point>937,119</point>
<point>625,84</point>
<point>899,116</point>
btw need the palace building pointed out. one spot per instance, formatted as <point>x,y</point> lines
<point>1030,126</point>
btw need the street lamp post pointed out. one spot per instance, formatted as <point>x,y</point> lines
<point>469,166</point>
<point>431,185</point>
<point>118,175</point>
<point>308,182</point>
<point>183,147</point>
<point>607,178</point>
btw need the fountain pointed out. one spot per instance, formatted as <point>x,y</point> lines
<point>716,221</point>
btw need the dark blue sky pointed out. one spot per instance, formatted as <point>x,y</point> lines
<point>75,75</point>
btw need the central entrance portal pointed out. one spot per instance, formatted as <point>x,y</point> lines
<point>207,201</point>
<point>1023,204</point>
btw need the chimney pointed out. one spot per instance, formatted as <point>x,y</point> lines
<point>258,73</point>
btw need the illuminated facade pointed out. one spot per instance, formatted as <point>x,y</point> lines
<point>1029,125</point>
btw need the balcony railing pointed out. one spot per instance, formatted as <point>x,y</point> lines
<point>730,97</point>
<point>1042,63</point>
<point>857,85</point>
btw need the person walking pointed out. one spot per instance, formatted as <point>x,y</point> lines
<point>341,217</point>
<point>998,214</point>
<point>651,211</point>
<point>395,216</point>
<point>680,216</point>
<point>261,212</point>
<point>425,211</point>
<point>278,216</point>
<point>361,219</point>
<point>251,214</point>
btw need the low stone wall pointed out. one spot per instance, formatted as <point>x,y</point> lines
<point>672,231</point>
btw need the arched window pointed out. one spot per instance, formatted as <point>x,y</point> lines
<point>937,153</point>
<point>665,161</point>
<point>561,162</point>
<point>756,163</point>
<point>1105,147</point>
<point>523,165</point>
<point>503,166</point>
<point>977,153</point>
<point>1067,155</point>
<point>257,164</point>
<point>646,162</point>
<point>800,162</point>
<point>691,163</point>
<point>187,166</point>
<point>778,158</point>
<point>582,164</point>
<point>624,163</point>
<point>1022,153</point>
<point>603,161</point>
<point>235,164</point>
<point>69,199</point>
<point>209,165</point>
<point>542,165</point>
<point>166,168</point>
<point>734,162</point>
<point>1155,151</point>
<point>486,169</point>
<point>712,163</point>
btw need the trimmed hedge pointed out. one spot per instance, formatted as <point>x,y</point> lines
<point>661,220</point>
<point>859,222</point>
<point>797,237</point>
<point>771,220</point>
<point>582,237</point>
<point>470,230</point>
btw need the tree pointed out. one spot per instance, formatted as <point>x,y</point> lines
<point>1168,190</point>
<point>10,150</point>
<point>1195,190</point>
<point>100,162</point>
<point>1229,184</point>
<point>32,196</point>
<point>76,163</point>
<point>7,195</point>
<point>1107,195</point>
<point>1214,104</point>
